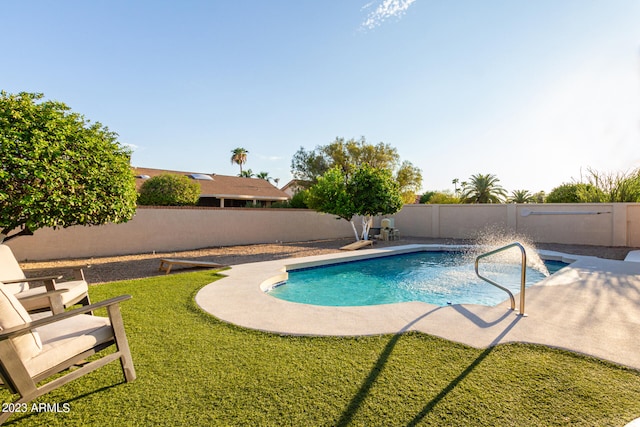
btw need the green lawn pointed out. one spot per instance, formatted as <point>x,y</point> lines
<point>195,370</point>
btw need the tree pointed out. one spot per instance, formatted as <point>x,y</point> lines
<point>58,169</point>
<point>424,198</point>
<point>264,175</point>
<point>329,195</point>
<point>309,166</point>
<point>539,197</point>
<point>367,192</point>
<point>239,157</point>
<point>247,174</point>
<point>615,187</point>
<point>169,190</point>
<point>455,182</point>
<point>521,196</point>
<point>575,193</point>
<point>483,189</point>
<point>297,201</point>
<point>440,198</point>
<point>409,180</point>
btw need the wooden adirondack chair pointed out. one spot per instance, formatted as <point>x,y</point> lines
<point>32,351</point>
<point>34,299</point>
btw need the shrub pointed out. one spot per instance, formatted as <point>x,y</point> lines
<point>297,201</point>
<point>427,196</point>
<point>575,193</point>
<point>169,190</point>
<point>441,198</point>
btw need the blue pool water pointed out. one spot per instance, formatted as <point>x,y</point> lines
<point>438,278</point>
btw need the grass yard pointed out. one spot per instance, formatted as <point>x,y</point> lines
<point>195,370</point>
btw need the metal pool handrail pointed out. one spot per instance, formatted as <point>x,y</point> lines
<point>523,274</point>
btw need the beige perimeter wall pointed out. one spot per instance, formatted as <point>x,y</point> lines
<point>171,229</point>
<point>614,224</point>
<point>174,229</point>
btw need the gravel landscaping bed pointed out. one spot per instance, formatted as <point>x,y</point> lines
<point>108,269</point>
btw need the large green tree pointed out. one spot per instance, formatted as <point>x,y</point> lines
<point>366,192</point>
<point>58,169</point>
<point>483,189</point>
<point>348,155</point>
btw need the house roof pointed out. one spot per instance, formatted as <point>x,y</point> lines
<point>221,186</point>
<point>295,185</point>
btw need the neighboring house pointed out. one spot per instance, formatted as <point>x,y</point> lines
<point>223,191</point>
<point>293,187</point>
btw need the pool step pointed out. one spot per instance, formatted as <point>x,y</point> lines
<point>633,256</point>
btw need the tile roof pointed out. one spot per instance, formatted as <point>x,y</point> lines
<point>222,186</point>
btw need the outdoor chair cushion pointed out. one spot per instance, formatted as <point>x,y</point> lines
<point>10,269</point>
<point>66,338</point>
<point>13,314</point>
<point>75,290</point>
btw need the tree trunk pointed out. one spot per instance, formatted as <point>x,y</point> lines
<point>366,226</point>
<point>5,238</point>
<point>355,231</point>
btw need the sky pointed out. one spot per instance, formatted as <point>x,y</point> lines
<point>533,92</point>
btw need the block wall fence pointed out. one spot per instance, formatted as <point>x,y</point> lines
<point>175,229</point>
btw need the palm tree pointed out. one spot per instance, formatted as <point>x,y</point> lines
<point>483,189</point>
<point>246,174</point>
<point>264,175</point>
<point>239,157</point>
<point>455,185</point>
<point>521,196</point>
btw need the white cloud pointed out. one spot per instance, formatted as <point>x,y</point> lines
<point>385,10</point>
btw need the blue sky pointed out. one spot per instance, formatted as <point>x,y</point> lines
<point>534,92</point>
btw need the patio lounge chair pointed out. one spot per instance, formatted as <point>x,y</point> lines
<point>34,299</point>
<point>387,230</point>
<point>32,351</point>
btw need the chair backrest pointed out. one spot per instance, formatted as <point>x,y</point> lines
<point>10,270</point>
<point>385,223</point>
<point>13,314</point>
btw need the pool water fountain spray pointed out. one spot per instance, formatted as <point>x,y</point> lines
<point>492,238</point>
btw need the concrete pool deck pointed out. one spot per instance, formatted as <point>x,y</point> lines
<point>591,307</point>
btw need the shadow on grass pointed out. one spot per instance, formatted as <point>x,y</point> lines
<point>454,383</point>
<point>361,395</point>
<point>357,400</point>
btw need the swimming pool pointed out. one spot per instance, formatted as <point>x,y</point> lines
<point>434,277</point>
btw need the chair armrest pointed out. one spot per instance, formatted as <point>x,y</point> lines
<point>78,274</point>
<point>49,281</point>
<point>21,330</point>
<point>42,295</point>
<point>31,279</point>
<point>52,298</point>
